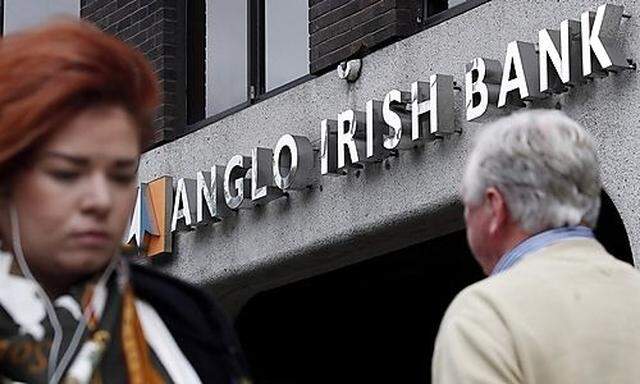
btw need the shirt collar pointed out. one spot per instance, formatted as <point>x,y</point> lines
<point>539,241</point>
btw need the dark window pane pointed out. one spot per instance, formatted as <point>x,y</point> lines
<point>433,7</point>
<point>21,14</point>
<point>286,41</point>
<point>195,58</point>
<point>226,50</point>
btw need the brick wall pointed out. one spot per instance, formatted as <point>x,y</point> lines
<point>340,29</point>
<point>154,27</point>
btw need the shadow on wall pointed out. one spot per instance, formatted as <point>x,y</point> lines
<point>373,322</point>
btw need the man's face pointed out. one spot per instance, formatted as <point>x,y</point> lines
<point>477,217</point>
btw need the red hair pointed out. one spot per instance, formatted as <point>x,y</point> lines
<point>51,73</point>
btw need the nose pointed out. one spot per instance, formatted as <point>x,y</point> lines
<point>97,199</point>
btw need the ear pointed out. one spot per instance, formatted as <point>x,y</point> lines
<point>497,204</point>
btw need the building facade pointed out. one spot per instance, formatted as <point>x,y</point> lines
<point>378,246</point>
<point>252,256</point>
<point>404,199</point>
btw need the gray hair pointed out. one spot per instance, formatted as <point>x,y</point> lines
<point>545,166</point>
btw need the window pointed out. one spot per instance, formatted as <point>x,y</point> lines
<point>431,8</point>
<point>242,50</point>
<point>21,14</point>
<point>226,54</point>
<point>286,41</point>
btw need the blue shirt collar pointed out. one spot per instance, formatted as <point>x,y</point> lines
<point>539,241</point>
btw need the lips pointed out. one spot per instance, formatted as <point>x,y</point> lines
<point>92,238</point>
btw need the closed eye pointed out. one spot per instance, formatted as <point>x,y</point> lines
<point>65,176</point>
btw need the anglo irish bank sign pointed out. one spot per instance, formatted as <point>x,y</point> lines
<point>578,50</point>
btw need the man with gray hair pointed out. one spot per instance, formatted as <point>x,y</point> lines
<point>556,308</point>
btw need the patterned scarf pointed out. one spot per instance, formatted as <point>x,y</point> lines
<point>113,332</point>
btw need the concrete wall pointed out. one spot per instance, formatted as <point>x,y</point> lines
<point>413,197</point>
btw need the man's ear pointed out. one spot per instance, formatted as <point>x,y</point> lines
<point>497,204</point>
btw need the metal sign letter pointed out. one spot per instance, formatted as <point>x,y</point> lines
<point>599,38</point>
<point>210,196</point>
<point>350,122</point>
<point>560,50</point>
<point>434,100</point>
<point>482,86</point>
<point>263,189</point>
<point>329,148</point>
<point>293,163</point>
<point>521,60</point>
<point>184,205</point>
<point>375,132</point>
<point>396,116</point>
<point>237,187</point>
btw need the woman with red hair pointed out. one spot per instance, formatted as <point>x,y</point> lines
<point>76,109</point>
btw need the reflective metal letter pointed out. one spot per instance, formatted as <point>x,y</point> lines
<point>293,163</point>
<point>236,186</point>
<point>396,116</point>
<point>329,148</point>
<point>522,59</point>
<point>435,100</point>
<point>263,188</point>
<point>375,132</point>
<point>143,222</point>
<point>600,38</point>
<point>560,49</point>
<point>353,121</point>
<point>210,196</point>
<point>482,86</point>
<point>184,205</point>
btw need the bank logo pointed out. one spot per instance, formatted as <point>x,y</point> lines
<point>149,229</point>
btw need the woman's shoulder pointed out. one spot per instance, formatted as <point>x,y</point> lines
<point>177,301</point>
<point>194,319</point>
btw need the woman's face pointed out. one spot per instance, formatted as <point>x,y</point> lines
<point>74,199</point>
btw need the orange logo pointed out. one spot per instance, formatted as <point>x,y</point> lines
<point>149,228</point>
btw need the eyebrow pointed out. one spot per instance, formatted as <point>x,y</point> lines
<point>83,161</point>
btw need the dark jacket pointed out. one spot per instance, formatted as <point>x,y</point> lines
<point>197,324</point>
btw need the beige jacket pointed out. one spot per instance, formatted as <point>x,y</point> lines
<point>568,313</point>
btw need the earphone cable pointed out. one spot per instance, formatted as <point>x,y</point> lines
<point>77,336</point>
<point>26,271</point>
<point>55,371</point>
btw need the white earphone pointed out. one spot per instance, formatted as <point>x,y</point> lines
<point>55,371</point>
